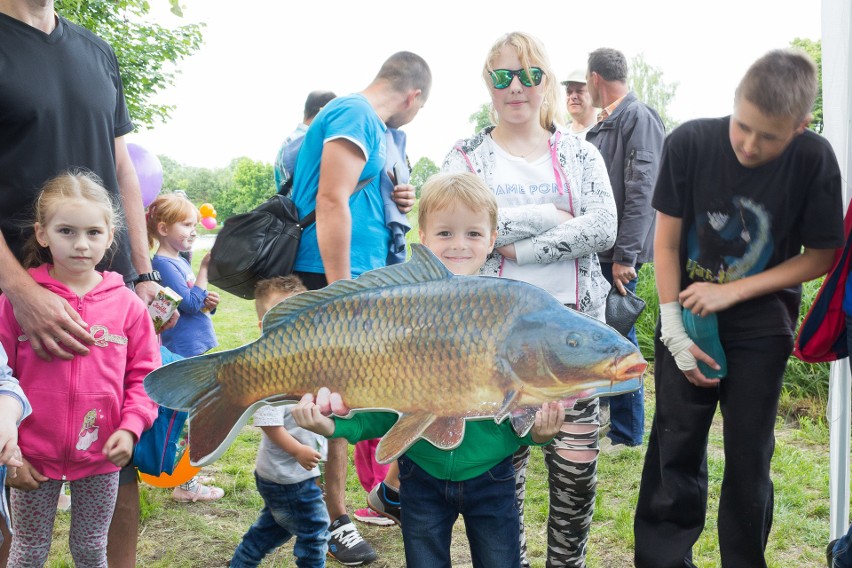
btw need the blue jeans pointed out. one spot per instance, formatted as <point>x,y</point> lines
<point>843,551</point>
<point>626,411</point>
<point>843,546</point>
<point>431,506</point>
<point>288,510</point>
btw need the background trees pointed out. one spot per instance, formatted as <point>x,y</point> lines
<point>650,87</point>
<point>239,187</point>
<point>814,49</point>
<point>147,52</point>
<point>422,170</point>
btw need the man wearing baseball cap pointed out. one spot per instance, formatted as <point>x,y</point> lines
<point>583,113</point>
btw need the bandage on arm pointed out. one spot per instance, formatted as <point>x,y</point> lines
<point>674,337</point>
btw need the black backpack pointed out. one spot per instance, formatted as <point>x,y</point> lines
<point>260,244</point>
<point>257,245</point>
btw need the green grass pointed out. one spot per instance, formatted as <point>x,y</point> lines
<point>205,534</point>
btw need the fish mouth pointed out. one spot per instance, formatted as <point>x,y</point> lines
<point>629,367</point>
<point>601,378</point>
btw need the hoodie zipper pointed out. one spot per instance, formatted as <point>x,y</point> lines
<point>72,391</point>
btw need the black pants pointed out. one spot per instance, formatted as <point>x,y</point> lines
<point>672,503</point>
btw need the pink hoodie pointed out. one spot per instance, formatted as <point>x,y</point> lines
<point>78,404</point>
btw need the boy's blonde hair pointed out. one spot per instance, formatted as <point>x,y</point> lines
<point>168,208</point>
<point>782,83</point>
<point>442,191</point>
<point>271,291</point>
<point>71,186</point>
<point>531,52</point>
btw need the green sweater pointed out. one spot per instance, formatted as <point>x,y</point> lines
<point>485,444</point>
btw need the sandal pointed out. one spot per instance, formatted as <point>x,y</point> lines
<point>201,493</point>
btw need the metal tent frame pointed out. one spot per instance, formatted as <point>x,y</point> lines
<point>837,104</point>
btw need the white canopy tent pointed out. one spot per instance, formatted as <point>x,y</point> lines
<point>837,104</point>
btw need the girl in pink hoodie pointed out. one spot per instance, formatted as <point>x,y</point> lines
<point>87,411</point>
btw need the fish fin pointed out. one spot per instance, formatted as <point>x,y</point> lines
<point>446,432</point>
<point>407,430</point>
<point>424,266</point>
<point>506,407</point>
<point>213,428</point>
<point>523,420</point>
<point>192,385</point>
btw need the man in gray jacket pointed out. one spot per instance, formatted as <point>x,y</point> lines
<point>629,135</point>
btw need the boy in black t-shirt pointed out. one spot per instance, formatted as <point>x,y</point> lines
<point>737,198</point>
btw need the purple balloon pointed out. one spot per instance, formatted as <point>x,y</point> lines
<point>149,170</point>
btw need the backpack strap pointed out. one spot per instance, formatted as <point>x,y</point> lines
<point>311,217</point>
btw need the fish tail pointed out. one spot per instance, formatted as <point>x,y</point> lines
<point>193,385</point>
<point>213,427</point>
<point>183,384</point>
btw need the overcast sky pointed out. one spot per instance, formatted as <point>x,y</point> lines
<point>244,90</point>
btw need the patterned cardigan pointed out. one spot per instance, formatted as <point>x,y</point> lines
<point>580,171</point>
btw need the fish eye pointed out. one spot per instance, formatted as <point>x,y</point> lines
<point>572,340</point>
<point>598,336</point>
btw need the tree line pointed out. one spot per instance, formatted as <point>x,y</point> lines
<point>149,55</point>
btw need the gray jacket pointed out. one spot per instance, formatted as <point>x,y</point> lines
<point>631,143</point>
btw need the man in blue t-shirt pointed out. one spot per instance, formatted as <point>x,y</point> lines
<point>345,145</point>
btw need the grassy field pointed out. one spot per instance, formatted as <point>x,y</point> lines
<point>205,535</point>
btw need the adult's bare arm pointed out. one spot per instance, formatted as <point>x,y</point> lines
<point>340,168</point>
<point>134,214</point>
<point>47,319</point>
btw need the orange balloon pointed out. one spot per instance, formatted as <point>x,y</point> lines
<point>183,472</point>
<point>207,210</point>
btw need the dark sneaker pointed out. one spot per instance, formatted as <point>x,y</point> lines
<point>385,501</point>
<point>346,545</point>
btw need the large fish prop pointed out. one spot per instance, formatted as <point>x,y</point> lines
<point>413,338</point>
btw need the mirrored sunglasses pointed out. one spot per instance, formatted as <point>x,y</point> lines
<point>502,78</point>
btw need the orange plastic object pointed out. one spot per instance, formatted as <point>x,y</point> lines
<point>183,472</point>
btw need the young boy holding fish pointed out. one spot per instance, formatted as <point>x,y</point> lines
<point>458,223</point>
<point>286,470</point>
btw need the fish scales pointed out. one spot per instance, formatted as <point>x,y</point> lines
<point>413,339</point>
<point>361,347</point>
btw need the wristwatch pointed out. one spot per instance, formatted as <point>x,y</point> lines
<point>152,276</point>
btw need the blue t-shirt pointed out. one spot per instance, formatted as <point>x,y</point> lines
<point>193,334</point>
<point>352,118</point>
